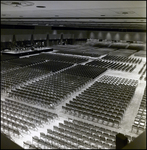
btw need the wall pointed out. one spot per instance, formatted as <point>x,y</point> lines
<point>78,34</point>
<point>127,36</point>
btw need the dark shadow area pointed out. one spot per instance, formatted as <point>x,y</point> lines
<point>6,143</point>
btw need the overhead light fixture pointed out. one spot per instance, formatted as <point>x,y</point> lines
<point>17,3</point>
<point>40,6</point>
<point>5,14</point>
<point>125,12</point>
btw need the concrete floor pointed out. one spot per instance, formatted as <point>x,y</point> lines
<point>129,116</point>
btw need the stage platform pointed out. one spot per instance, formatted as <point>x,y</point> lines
<point>27,52</point>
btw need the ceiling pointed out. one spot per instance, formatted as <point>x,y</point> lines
<point>88,14</point>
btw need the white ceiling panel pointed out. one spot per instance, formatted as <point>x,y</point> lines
<point>112,12</point>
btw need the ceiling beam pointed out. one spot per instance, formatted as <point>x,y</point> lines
<point>74,18</point>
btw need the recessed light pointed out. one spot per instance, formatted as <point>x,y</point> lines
<point>124,12</point>
<point>16,3</point>
<point>5,14</point>
<point>40,6</point>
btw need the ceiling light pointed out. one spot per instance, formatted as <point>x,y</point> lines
<point>125,12</point>
<point>40,6</point>
<point>5,14</point>
<point>17,3</point>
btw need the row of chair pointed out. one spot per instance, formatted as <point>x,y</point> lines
<point>29,145</point>
<point>9,131</point>
<point>82,53</point>
<point>6,66</point>
<point>52,65</point>
<point>102,103</point>
<point>50,91</point>
<point>117,80</point>
<point>122,59</point>
<point>21,75</point>
<point>58,57</point>
<point>23,118</point>
<point>140,119</point>
<point>143,70</point>
<point>75,134</point>
<point>30,110</point>
<point>28,68</point>
<point>144,65</point>
<point>112,65</point>
<point>85,71</point>
<point>19,63</point>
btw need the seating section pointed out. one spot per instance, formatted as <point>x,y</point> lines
<point>112,65</point>
<point>26,61</point>
<point>17,118</point>
<point>117,81</point>
<point>19,63</point>
<point>85,71</point>
<point>50,91</point>
<point>51,65</point>
<point>137,46</point>
<point>83,53</point>
<point>119,45</point>
<point>104,102</point>
<point>36,59</point>
<point>6,66</point>
<point>75,134</point>
<point>5,57</point>
<point>13,78</point>
<point>143,71</point>
<point>35,88</point>
<point>122,59</point>
<point>140,120</point>
<point>123,52</point>
<point>141,53</point>
<point>60,58</point>
<point>100,44</point>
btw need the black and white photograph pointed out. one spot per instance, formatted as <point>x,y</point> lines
<point>73,74</point>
